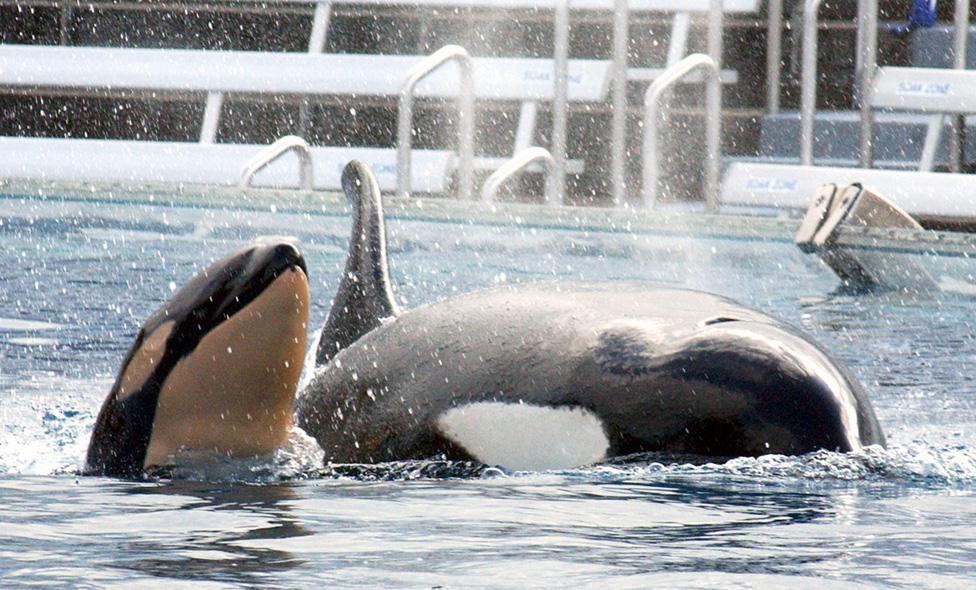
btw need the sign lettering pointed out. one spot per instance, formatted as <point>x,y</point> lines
<point>920,88</point>
<point>772,185</point>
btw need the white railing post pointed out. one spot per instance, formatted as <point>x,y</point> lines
<point>618,124</point>
<point>560,100</point>
<point>275,151</point>
<point>808,89</point>
<point>713,105</point>
<point>65,23</point>
<point>961,36</point>
<point>774,54</point>
<point>465,125</point>
<point>211,117</point>
<point>316,45</point>
<point>517,164</point>
<point>652,107</point>
<point>320,27</point>
<point>868,66</point>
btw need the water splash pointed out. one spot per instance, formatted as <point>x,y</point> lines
<point>410,470</point>
<point>299,458</point>
<point>918,463</point>
<point>915,463</point>
<point>45,424</point>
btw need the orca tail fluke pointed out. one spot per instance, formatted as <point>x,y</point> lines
<point>364,297</point>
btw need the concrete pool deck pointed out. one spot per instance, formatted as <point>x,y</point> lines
<point>669,221</point>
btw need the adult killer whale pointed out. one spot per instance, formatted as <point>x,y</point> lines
<point>526,377</point>
<point>560,375</point>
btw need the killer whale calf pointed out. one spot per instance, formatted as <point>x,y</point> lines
<point>539,376</point>
<point>214,369</point>
<point>559,375</point>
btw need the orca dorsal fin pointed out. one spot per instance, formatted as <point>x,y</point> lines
<point>364,297</point>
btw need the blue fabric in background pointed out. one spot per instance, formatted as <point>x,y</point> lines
<point>922,16</point>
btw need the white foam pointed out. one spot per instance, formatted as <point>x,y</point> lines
<point>953,285</point>
<point>12,324</point>
<point>308,366</point>
<point>523,437</point>
<point>28,342</point>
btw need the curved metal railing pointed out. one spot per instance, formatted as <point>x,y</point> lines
<point>652,103</point>
<point>275,151</point>
<point>517,164</point>
<point>465,127</point>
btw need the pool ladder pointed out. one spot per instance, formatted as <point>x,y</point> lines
<point>273,152</point>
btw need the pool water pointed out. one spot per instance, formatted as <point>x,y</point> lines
<point>78,278</point>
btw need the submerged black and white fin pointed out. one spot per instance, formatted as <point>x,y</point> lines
<point>364,298</point>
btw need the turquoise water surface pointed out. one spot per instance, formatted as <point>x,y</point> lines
<point>77,279</point>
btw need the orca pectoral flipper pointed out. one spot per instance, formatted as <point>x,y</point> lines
<point>853,208</point>
<point>364,297</point>
<point>820,208</point>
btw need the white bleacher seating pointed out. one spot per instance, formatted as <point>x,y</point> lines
<point>677,41</point>
<point>155,71</point>
<point>86,70</point>
<point>926,90</point>
<point>740,6</point>
<point>923,194</point>
<point>144,162</point>
<point>181,70</point>
<point>933,91</point>
<point>678,7</point>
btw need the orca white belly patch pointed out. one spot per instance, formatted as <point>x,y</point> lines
<point>523,437</point>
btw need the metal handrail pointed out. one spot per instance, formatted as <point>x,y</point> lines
<point>275,151</point>
<point>560,99</point>
<point>517,164</point>
<point>652,100</point>
<point>808,82</point>
<point>465,126</point>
